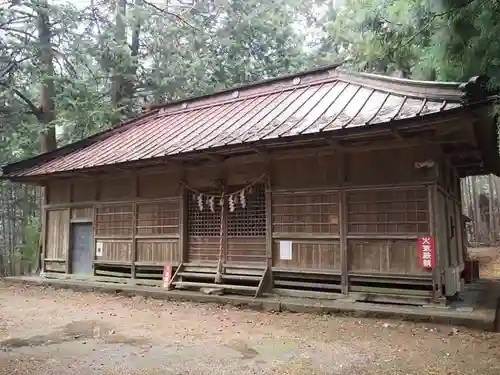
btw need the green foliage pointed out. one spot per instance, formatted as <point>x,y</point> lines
<point>111,57</point>
<point>379,36</point>
<point>423,39</point>
<point>101,63</point>
<point>31,239</point>
<point>466,41</point>
<point>256,40</point>
<point>445,40</point>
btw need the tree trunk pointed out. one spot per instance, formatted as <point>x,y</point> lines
<point>470,212</point>
<point>496,207</point>
<point>3,238</point>
<point>130,81</point>
<point>11,245</point>
<point>117,79</point>
<point>491,216</point>
<point>123,76</point>
<point>47,91</point>
<point>48,140</point>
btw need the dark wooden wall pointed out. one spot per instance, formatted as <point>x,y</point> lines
<point>136,217</point>
<point>449,216</point>
<point>356,213</point>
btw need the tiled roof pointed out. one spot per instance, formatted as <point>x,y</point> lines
<point>322,101</point>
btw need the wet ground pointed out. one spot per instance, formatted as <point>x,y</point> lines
<point>47,331</point>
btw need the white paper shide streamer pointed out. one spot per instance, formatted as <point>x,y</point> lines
<point>200,202</point>
<point>234,199</point>
<point>243,199</point>
<point>211,203</point>
<point>231,204</point>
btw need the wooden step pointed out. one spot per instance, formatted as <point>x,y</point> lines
<point>200,275</point>
<point>288,271</point>
<point>199,269</point>
<point>237,269</point>
<point>204,275</point>
<point>390,291</point>
<point>306,294</point>
<point>201,265</point>
<point>301,284</point>
<point>244,266</point>
<point>248,272</point>
<point>191,284</point>
<point>241,277</point>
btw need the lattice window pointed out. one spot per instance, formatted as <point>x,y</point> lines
<point>306,213</point>
<point>205,222</point>
<point>387,211</point>
<point>250,220</point>
<point>114,221</point>
<point>158,218</point>
<point>82,213</point>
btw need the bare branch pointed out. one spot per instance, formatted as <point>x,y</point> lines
<point>30,15</point>
<point>165,11</point>
<point>437,15</point>
<point>27,36</point>
<point>94,15</point>
<point>34,109</point>
<point>71,69</point>
<point>11,65</point>
<point>14,21</point>
<point>8,69</point>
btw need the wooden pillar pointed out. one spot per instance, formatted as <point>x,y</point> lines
<point>97,197</point>
<point>135,194</point>
<point>183,218</point>
<point>183,225</point>
<point>461,252</point>
<point>69,255</point>
<point>433,204</point>
<point>491,216</point>
<point>134,241</point>
<point>94,232</point>
<point>224,218</point>
<point>269,228</point>
<point>344,256</point>
<point>476,213</point>
<point>45,220</point>
<point>448,230</point>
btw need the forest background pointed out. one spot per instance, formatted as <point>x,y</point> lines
<point>69,69</point>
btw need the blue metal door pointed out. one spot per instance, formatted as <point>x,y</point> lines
<point>81,250</point>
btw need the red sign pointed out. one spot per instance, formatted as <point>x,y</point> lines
<point>426,252</point>
<point>167,275</point>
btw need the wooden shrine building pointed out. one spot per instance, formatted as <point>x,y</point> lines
<point>324,183</point>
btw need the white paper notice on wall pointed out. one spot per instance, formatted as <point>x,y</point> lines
<point>286,250</point>
<point>98,249</point>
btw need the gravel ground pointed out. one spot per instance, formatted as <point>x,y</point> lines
<point>47,331</point>
<point>489,260</point>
